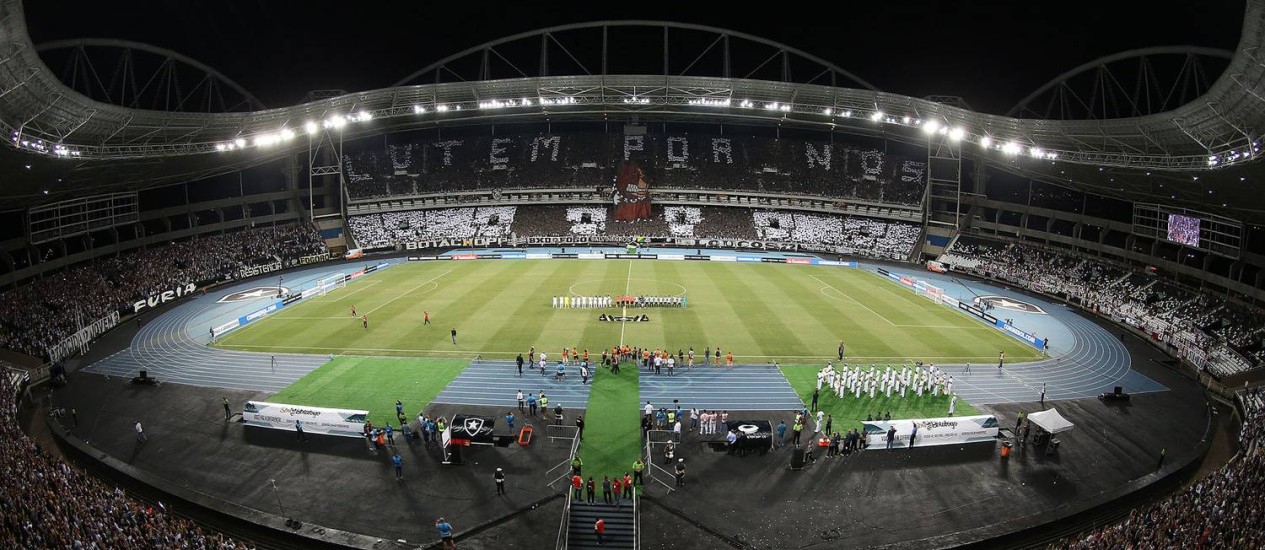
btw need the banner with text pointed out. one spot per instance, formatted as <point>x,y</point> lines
<point>932,431</point>
<point>316,420</point>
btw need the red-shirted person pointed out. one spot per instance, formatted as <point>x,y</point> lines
<point>577,483</point>
<point>599,527</point>
<point>729,360</point>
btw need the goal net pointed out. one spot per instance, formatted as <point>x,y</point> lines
<point>333,282</point>
<point>931,292</point>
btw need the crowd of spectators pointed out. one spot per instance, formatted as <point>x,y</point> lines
<point>852,235</point>
<point>589,161</point>
<point>1222,510</point>
<point>45,503</point>
<point>1221,336</point>
<point>393,229</point>
<point>38,315</point>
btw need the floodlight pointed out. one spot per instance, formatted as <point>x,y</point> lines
<point>985,141</point>
<point>930,126</point>
<point>905,120</point>
<point>957,134</point>
<point>311,127</point>
<point>876,116</point>
<point>239,142</point>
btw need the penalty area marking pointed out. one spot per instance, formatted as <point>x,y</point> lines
<point>328,295</point>
<point>410,291</point>
<point>851,299</point>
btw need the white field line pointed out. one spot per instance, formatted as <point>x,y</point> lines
<point>853,300</point>
<point>627,285</point>
<point>410,291</point>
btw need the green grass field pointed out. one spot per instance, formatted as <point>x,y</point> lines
<point>611,426</point>
<point>849,412</point>
<point>760,312</point>
<point>373,384</point>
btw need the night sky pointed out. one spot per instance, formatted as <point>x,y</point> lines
<point>991,53</point>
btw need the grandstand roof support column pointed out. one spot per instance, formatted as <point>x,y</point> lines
<point>942,209</point>
<point>324,159</point>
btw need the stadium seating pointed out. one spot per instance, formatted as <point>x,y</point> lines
<point>49,504</point>
<point>36,316</point>
<point>852,235</point>
<point>1222,510</point>
<point>589,161</point>
<point>1222,337</point>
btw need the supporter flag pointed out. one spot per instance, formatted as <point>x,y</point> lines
<point>632,194</point>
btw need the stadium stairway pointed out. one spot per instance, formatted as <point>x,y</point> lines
<point>621,526</point>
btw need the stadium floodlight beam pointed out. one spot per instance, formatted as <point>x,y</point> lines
<point>239,142</point>
<point>957,134</point>
<point>985,141</point>
<point>311,127</point>
<point>931,126</point>
<point>876,116</point>
<point>1011,148</point>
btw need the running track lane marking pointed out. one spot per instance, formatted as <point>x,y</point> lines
<point>410,291</point>
<point>853,300</point>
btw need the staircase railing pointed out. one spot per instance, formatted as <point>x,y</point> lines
<point>564,530</point>
<point>636,520</point>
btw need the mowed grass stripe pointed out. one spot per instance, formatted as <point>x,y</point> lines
<point>801,308</point>
<point>524,320</point>
<point>864,333</point>
<point>761,312</point>
<point>372,384</point>
<point>612,430</point>
<point>685,323</point>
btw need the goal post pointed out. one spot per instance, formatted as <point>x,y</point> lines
<point>931,292</point>
<point>333,282</point>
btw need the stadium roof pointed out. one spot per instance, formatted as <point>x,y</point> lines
<point>78,142</point>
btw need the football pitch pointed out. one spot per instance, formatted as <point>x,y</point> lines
<point>791,314</point>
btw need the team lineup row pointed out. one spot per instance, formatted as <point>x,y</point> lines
<point>591,302</point>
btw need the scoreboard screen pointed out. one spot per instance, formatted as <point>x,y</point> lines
<point>1183,229</point>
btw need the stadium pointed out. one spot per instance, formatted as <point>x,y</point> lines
<point>637,277</point>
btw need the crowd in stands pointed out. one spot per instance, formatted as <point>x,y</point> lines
<point>38,315</point>
<point>391,229</point>
<point>852,235</point>
<point>1221,336</point>
<point>590,161</point>
<point>1222,510</point>
<point>45,503</point>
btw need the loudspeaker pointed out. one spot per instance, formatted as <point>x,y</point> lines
<point>797,459</point>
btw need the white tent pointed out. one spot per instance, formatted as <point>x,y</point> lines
<point>1050,421</point>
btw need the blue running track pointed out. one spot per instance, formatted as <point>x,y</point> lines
<point>745,388</point>
<point>496,383</point>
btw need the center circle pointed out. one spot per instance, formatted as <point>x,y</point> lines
<point>596,285</point>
